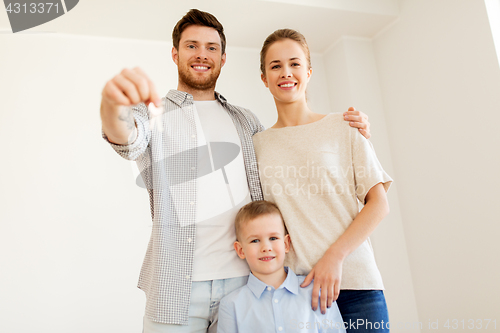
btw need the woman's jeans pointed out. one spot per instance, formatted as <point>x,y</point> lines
<point>364,311</point>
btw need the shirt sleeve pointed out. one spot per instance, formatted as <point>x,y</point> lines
<point>227,317</point>
<point>368,171</point>
<point>260,127</point>
<point>133,150</point>
<point>255,122</point>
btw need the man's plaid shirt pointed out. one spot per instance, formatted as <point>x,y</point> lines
<point>166,272</point>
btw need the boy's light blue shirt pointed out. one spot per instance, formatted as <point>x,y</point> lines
<point>257,307</point>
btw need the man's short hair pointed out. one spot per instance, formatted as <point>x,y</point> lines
<point>253,210</point>
<point>197,17</point>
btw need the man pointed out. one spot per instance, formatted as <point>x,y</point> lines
<point>199,168</point>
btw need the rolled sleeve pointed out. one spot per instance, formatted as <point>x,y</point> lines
<point>133,150</point>
<point>368,171</point>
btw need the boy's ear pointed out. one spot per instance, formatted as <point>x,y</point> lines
<point>239,250</point>
<point>287,243</point>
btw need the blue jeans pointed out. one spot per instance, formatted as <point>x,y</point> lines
<point>203,307</point>
<point>364,311</point>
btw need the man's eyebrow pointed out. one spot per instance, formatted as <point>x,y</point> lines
<point>196,42</point>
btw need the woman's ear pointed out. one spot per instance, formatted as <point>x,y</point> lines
<point>263,78</point>
<point>309,74</point>
<point>239,250</point>
<point>287,243</point>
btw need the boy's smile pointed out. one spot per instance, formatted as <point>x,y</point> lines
<point>264,245</point>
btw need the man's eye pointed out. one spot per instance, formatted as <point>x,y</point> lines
<point>213,49</point>
<point>191,46</point>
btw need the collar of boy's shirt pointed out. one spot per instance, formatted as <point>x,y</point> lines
<point>257,287</point>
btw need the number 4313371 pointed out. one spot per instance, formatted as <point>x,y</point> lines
<point>32,8</point>
<point>470,324</point>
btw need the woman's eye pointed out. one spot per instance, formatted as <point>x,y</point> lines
<point>295,64</point>
<point>275,67</point>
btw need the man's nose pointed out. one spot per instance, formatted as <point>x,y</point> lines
<point>202,54</point>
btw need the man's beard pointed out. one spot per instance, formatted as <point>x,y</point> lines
<point>202,83</point>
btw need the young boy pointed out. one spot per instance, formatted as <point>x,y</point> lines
<point>272,300</point>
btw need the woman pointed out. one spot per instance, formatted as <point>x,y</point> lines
<point>316,168</point>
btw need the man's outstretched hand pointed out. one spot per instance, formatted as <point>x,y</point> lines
<point>130,87</point>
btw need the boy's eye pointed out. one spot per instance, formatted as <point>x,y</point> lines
<point>254,241</point>
<point>273,238</point>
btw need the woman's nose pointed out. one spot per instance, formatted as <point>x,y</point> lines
<point>286,74</point>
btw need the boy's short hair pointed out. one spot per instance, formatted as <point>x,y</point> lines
<point>253,210</point>
<point>197,17</point>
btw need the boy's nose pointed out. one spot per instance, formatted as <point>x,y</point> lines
<point>266,247</point>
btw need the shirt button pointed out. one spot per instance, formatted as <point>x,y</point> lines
<point>191,203</point>
<point>280,328</point>
<point>189,240</point>
<point>193,136</point>
<point>275,301</point>
<point>187,277</point>
<point>192,168</point>
<point>269,288</point>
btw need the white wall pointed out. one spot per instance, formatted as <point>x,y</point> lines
<point>72,244</point>
<point>440,83</point>
<point>74,227</point>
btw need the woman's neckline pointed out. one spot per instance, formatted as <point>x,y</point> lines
<point>302,125</point>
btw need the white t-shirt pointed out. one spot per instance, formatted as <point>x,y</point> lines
<point>222,189</point>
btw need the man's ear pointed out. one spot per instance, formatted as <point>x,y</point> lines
<point>239,250</point>
<point>287,243</point>
<point>223,60</point>
<point>263,78</point>
<point>175,55</point>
